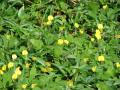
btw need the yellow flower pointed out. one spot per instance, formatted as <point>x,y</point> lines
<point>92,39</point>
<point>76,25</point>
<point>10,64</point>
<point>94,68</point>
<point>14,76</point>
<point>34,58</point>
<point>98,31</point>
<point>49,69</point>
<point>100,26</point>
<point>49,23</point>
<point>66,42</point>
<point>118,65</point>
<point>4,67</point>
<point>70,83</point>
<point>24,52</point>
<point>48,64</point>
<point>18,71</point>
<point>101,58</point>
<point>81,31</point>
<point>50,18</point>
<point>60,42</point>
<point>33,85</point>
<point>105,7</point>
<point>98,34</point>
<point>27,65</point>
<point>117,36</point>
<point>24,86</point>
<point>1,72</point>
<point>44,70</point>
<point>14,56</point>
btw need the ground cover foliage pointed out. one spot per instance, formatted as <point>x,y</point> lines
<point>59,44</point>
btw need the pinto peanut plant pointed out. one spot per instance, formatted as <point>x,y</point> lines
<point>59,44</point>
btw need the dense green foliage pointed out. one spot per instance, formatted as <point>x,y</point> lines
<point>60,44</point>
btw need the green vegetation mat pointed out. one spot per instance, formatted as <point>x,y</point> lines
<point>59,44</point>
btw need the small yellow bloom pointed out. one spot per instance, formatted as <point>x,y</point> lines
<point>33,85</point>
<point>50,18</point>
<point>14,56</point>
<point>14,76</point>
<point>1,72</point>
<point>27,65</point>
<point>118,65</point>
<point>18,71</point>
<point>48,23</point>
<point>24,86</point>
<point>66,42</point>
<point>94,68</point>
<point>117,36</point>
<point>44,70</point>
<point>60,41</point>
<point>101,58</point>
<point>4,67</point>
<point>98,34</point>
<point>10,64</point>
<point>105,7</point>
<point>98,31</point>
<point>24,52</point>
<point>81,31</point>
<point>70,83</point>
<point>92,39</point>
<point>76,25</point>
<point>100,26</point>
<point>49,69</point>
<point>48,64</point>
<point>34,58</point>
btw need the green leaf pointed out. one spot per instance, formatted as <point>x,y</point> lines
<point>71,56</point>
<point>33,73</point>
<point>94,6</point>
<point>45,80</point>
<point>37,88</point>
<point>92,14</point>
<point>102,1</point>
<point>117,82</point>
<point>63,6</point>
<point>103,86</point>
<point>10,41</point>
<point>41,61</point>
<point>13,42</point>
<point>21,12</point>
<point>7,78</point>
<point>93,9</point>
<point>37,44</point>
<point>58,51</point>
<point>2,55</point>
